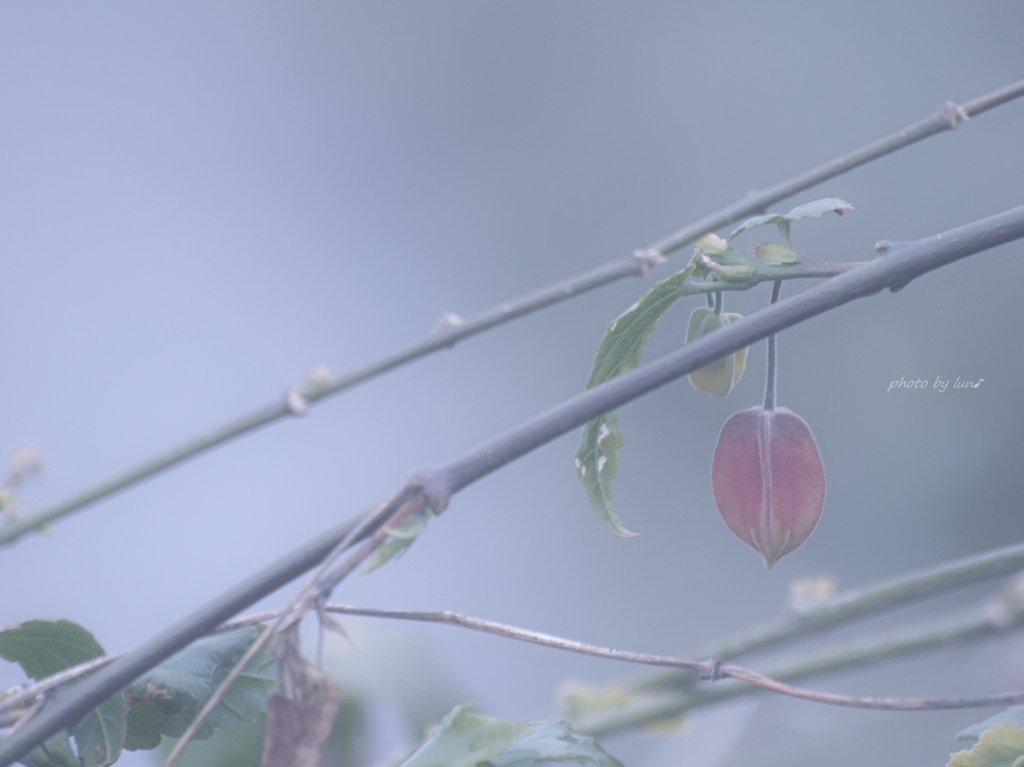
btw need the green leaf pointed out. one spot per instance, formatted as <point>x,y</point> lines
<point>999,746</point>
<point>165,700</point>
<point>100,735</point>
<point>42,648</point>
<point>553,742</point>
<point>597,462</point>
<point>597,457</point>
<point>399,540</point>
<point>628,333</point>
<point>1013,714</point>
<point>55,752</point>
<point>818,208</point>
<point>809,210</point>
<point>465,739</point>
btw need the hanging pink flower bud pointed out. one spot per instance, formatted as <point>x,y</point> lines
<point>768,480</point>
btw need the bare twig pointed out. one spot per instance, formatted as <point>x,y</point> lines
<point>298,399</point>
<point>709,670</point>
<point>642,705</point>
<point>43,686</point>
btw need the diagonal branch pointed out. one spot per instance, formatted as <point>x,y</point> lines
<point>900,264</point>
<point>949,117</point>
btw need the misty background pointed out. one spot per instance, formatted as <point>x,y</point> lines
<point>199,203</point>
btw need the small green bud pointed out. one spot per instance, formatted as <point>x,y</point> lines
<point>730,271</point>
<point>775,253</point>
<point>712,244</point>
<point>720,376</point>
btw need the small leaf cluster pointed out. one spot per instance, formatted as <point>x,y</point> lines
<point>714,267</point>
<point>163,702</point>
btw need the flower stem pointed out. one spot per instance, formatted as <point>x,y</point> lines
<point>769,383</point>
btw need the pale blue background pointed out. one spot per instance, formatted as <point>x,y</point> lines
<point>200,202</point>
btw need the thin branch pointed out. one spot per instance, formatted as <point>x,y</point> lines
<point>298,399</point>
<point>31,693</point>
<point>854,604</point>
<point>524,635</point>
<point>901,264</point>
<point>709,670</point>
<point>642,706</point>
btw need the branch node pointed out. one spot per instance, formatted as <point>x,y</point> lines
<point>711,670</point>
<point>648,259</point>
<point>955,113</point>
<point>446,321</point>
<point>296,402</point>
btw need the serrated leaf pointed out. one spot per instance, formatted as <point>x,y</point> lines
<point>775,253</point>
<point>597,457</point>
<point>465,739</point>
<point>751,223</point>
<point>597,461</point>
<point>999,746</point>
<point>165,700</point>
<point>808,210</point>
<point>553,742</point>
<point>398,542</point>
<point>42,648</point>
<point>1013,714</point>
<point>628,333</point>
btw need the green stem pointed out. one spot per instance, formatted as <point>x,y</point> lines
<point>784,233</point>
<point>770,375</point>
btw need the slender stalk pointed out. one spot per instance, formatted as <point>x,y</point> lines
<point>770,376</point>
<point>948,117</point>
<point>901,264</point>
<point>647,707</point>
<point>968,626</point>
